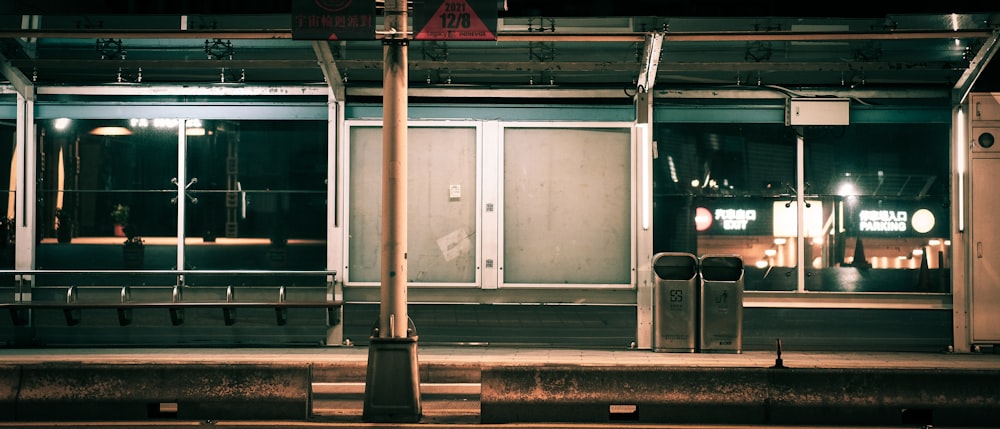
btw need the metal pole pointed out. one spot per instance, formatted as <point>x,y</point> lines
<point>392,316</point>
<point>392,389</point>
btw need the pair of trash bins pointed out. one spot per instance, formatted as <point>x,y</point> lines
<point>697,303</point>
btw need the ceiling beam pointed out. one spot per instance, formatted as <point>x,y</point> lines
<point>486,66</point>
<point>326,61</point>
<point>976,67</point>
<point>636,37</point>
<point>18,80</point>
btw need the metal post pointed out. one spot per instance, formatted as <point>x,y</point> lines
<point>392,317</point>
<point>392,388</point>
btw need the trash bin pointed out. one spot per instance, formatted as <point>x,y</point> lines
<point>721,298</point>
<point>675,295</point>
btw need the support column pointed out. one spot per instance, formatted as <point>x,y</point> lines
<point>392,387</point>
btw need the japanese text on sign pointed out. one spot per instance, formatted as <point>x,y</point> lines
<point>333,20</point>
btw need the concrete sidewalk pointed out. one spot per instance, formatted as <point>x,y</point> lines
<point>492,356</point>
<point>517,385</point>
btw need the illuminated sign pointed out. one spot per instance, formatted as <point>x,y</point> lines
<point>897,220</point>
<point>923,221</point>
<point>702,219</point>
<point>732,216</point>
<point>735,219</point>
<point>882,220</point>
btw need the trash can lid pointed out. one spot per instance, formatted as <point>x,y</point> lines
<point>721,268</point>
<point>675,266</point>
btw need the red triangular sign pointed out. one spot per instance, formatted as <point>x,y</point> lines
<point>455,20</point>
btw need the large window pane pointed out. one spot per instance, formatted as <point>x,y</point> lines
<point>889,183</point>
<point>99,182</point>
<point>876,213</point>
<point>566,206</point>
<point>728,189</point>
<point>257,195</point>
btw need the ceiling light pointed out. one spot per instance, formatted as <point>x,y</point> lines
<point>111,131</point>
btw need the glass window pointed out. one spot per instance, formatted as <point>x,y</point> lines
<point>101,182</point>
<point>888,187</point>
<point>876,217</point>
<point>257,195</point>
<point>728,189</point>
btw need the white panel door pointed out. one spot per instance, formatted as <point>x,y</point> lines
<point>985,234</point>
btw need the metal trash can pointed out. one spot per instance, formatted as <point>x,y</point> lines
<point>721,298</point>
<point>675,295</point>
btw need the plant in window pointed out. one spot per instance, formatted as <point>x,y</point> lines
<point>120,215</point>
<point>133,248</point>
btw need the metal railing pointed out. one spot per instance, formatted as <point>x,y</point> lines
<point>174,303</point>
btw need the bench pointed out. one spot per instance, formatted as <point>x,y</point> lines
<point>174,303</point>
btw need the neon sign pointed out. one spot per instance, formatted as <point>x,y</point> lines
<point>883,220</point>
<point>735,219</point>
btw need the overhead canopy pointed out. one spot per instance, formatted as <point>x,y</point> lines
<point>539,45</point>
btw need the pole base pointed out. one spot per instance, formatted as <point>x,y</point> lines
<point>392,386</point>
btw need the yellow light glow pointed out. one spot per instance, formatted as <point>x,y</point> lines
<point>111,131</point>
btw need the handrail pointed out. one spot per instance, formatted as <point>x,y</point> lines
<point>178,272</point>
<point>23,276</point>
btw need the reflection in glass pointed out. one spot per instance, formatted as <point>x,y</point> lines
<point>727,189</point>
<point>108,186</point>
<point>256,195</point>
<point>104,195</point>
<point>888,185</point>
<point>876,203</point>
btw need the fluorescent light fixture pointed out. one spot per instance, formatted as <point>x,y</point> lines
<point>960,165</point>
<point>651,61</point>
<point>111,131</point>
<point>645,159</point>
